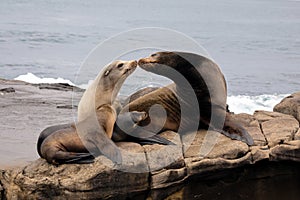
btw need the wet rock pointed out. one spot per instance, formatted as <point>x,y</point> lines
<point>7,90</point>
<point>59,86</point>
<point>66,106</point>
<point>290,105</point>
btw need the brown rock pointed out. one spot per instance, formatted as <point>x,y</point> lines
<point>133,158</point>
<point>41,180</point>
<point>297,135</point>
<point>168,177</point>
<point>279,130</point>
<point>260,153</point>
<point>211,150</point>
<point>288,151</point>
<point>166,163</point>
<point>290,105</point>
<point>165,156</point>
<point>211,144</point>
<point>263,116</point>
<point>196,166</point>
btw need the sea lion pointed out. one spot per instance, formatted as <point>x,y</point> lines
<point>90,137</point>
<point>204,79</point>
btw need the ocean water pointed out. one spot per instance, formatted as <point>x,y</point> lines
<point>256,43</point>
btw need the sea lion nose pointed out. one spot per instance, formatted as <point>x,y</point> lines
<point>141,61</point>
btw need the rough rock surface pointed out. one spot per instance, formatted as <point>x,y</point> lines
<point>290,105</point>
<point>145,170</point>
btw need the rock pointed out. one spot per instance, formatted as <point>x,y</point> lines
<point>196,166</point>
<point>290,105</point>
<point>263,116</point>
<point>166,162</point>
<point>211,150</point>
<point>277,127</point>
<point>297,135</point>
<point>67,106</point>
<point>146,172</point>
<point>288,151</point>
<point>133,158</point>
<point>211,144</point>
<point>59,86</point>
<point>260,153</point>
<point>7,90</point>
<point>40,180</point>
<point>1,192</point>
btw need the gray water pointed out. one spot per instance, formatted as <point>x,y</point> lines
<point>256,43</point>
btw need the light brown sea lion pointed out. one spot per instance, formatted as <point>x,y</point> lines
<point>192,75</point>
<point>90,137</point>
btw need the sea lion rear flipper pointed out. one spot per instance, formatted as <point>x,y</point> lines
<point>235,131</point>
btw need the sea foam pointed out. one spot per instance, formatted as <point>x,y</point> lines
<point>248,104</point>
<point>31,78</point>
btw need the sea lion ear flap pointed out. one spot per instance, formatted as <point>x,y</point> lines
<point>106,73</point>
<point>138,116</point>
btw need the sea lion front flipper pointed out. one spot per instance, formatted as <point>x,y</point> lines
<point>96,141</point>
<point>156,139</point>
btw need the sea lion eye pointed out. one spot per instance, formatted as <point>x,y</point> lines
<point>120,65</point>
<point>106,73</point>
<point>153,55</point>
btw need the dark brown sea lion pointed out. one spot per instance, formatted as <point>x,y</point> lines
<point>90,137</point>
<point>197,98</point>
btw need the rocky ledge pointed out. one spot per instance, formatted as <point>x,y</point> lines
<point>149,169</point>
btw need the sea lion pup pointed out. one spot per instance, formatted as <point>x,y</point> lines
<point>205,80</point>
<point>90,137</point>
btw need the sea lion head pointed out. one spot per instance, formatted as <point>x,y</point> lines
<point>169,63</point>
<point>116,73</point>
